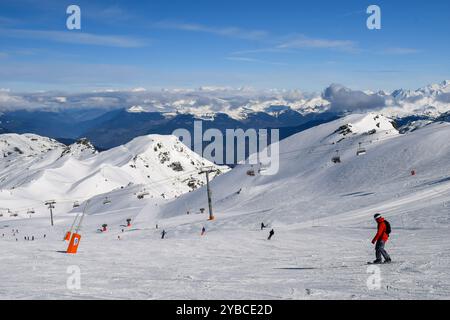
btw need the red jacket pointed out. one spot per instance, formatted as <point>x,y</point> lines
<point>381,233</point>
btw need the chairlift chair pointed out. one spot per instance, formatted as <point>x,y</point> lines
<point>142,195</point>
<point>263,167</point>
<point>336,158</point>
<point>361,150</point>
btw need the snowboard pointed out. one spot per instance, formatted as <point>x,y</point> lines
<point>376,264</point>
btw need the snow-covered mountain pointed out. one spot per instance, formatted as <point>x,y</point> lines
<point>321,213</point>
<point>236,103</point>
<point>306,169</point>
<point>14,146</point>
<point>34,169</point>
<point>431,100</point>
<point>140,112</point>
<point>81,149</point>
<point>374,174</point>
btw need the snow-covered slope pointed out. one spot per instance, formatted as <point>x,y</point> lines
<point>310,186</point>
<point>81,149</point>
<point>35,169</point>
<point>307,173</point>
<point>13,145</point>
<point>321,213</point>
<point>306,168</point>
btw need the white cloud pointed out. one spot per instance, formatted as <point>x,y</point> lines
<point>345,99</point>
<point>246,59</point>
<point>212,98</point>
<point>12,101</point>
<point>61,99</point>
<point>222,31</point>
<point>75,37</point>
<point>301,42</point>
<point>138,89</point>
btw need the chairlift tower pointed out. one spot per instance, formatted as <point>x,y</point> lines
<point>51,206</point>
<point>207,171</point>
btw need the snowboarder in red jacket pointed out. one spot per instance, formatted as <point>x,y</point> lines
<point>380,239</point>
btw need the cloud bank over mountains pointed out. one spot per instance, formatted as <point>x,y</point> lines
<point>432,99</point>
<point>344,99</point>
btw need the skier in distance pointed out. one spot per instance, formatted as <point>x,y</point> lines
<point>271,233</point>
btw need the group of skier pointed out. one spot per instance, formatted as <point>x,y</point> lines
<point>271,232</point>
<point>164,232</point>
<point>15,232</point>
<point>379,240</point>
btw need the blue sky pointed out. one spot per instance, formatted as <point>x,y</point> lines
<point>262,44</point>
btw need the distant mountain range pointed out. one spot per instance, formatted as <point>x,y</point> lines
<point>116,127</point>
<point>129,114</point>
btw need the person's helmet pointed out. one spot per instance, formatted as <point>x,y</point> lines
<point>376,216</point>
